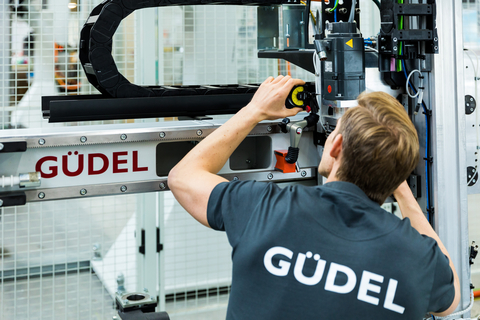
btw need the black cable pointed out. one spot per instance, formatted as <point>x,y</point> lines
<point>377,3</point>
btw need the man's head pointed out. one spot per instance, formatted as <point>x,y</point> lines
<point>375,146</point>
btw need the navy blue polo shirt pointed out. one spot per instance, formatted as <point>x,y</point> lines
<point>325,252</point>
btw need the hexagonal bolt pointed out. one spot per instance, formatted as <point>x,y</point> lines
<point>270,176</point>
<point>162,134</point>
<point>83,139</point>
<point>1,146</point>
<point>123,188</point>
<point>123,136</point>
<point>83,191</point>
<point>41,195</point>
<point>121,283</point>
<point>199,132</point>
<point>41,141</point>
<point>162,186</point>
<point>304,173</point>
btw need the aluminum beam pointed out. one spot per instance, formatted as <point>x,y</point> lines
<point>449,146</point>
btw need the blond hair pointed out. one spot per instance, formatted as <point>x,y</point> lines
<point>380,145</point>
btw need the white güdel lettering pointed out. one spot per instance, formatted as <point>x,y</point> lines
<point>364,288</point>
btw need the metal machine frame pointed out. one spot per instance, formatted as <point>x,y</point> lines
<point>121,142</point>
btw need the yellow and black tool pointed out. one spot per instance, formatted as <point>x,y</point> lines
<point>299,97</point>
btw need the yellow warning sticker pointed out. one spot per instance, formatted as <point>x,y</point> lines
<point>350,43</point>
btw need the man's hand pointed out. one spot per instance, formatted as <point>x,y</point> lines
<point>268,103</point>
<point>194,177</point>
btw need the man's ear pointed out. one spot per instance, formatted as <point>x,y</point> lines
<point>336,146</point>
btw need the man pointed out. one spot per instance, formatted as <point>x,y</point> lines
<point>323,252</point>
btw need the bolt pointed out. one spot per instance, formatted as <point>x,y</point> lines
<point>395,39</point>
<point>468,104</point>
<point>123,136</point>
<point>304,173</point>
<point>123,188</point>
<point>162,134</point>
<point>436,48</point>
<point>469,176</point>
<point>471,99</point>
<point>1,202</point>
<point>395,48</point>
<point>199,132</point>
<point>473,181</point>
<point>41,141</point>
<point>269,129</point>
<point>83,191</point>
<point>41,195</point>
<point>83,139</point>
<point>162,186</point>
<point>435,39</point>
<point>1,146</point>
<point>357,10</point>
<point>270,176</point>
<point>235,178</point>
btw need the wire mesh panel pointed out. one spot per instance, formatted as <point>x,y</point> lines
<point>65,259</point>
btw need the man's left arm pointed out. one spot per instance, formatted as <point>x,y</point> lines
<point>193,179</point>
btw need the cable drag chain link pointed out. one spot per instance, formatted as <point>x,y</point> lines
<point>96,42</point>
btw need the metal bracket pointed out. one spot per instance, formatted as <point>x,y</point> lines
<point>470,104</point>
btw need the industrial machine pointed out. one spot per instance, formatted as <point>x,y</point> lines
<point>328,42</point>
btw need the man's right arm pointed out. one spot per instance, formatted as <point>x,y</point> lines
<point>410,209</point>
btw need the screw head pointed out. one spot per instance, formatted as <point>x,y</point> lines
<point>435,39</point>
<point>473,170</point>
<point>41,141</point>
<point>395,39</point>
<point>83,191</point>
<point>471,109</point>
<point>123,188</point>
<point>269,129</point>
<point>471,99</point>
<point>1,202</point>
<point>123,136</point>
<point>270,176</point>
<point>83,139</point>
<point>145,290</point>
<point>473,181</point>
<point>162,134</point>
<point>162,186</point>
<point>199,132</point>
<point>41,195</point>
<point>235,178</point>
<point>304,173</point>
<point>469,176</point>
<point>468,104</point>
<point>436,48</point>
<point>395,48</point>
<point>1,146</point>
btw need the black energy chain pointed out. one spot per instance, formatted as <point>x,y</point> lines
<point>96,44</point>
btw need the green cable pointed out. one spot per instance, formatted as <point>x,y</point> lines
<point>335,7</point>
<point>400,26</point>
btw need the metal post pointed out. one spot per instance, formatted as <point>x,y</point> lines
<point>448,142</point>
<point>4,56</point>
<point>147,208</point>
